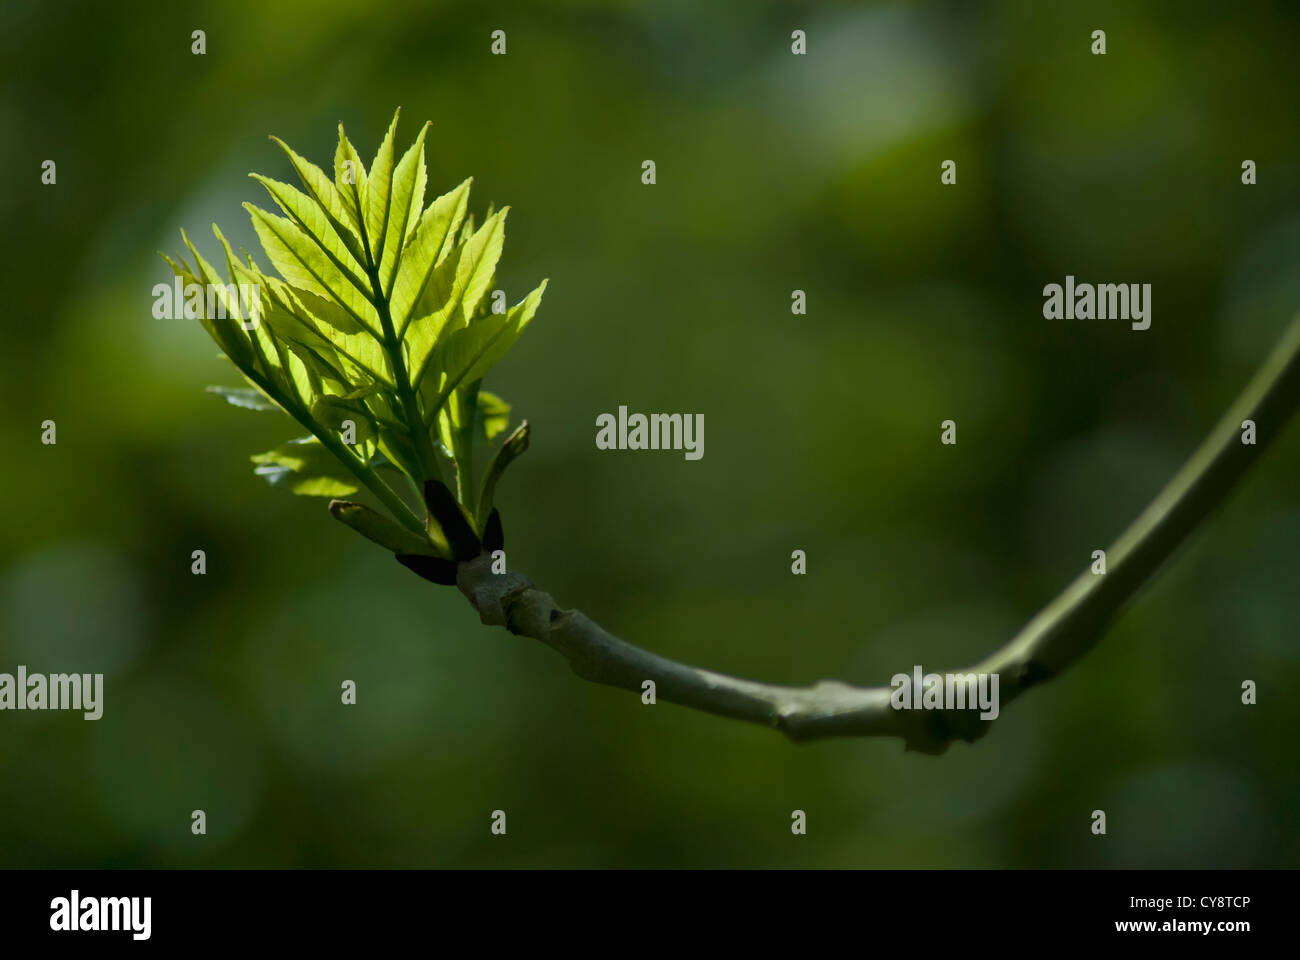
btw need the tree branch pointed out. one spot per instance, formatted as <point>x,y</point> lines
<point>1056,637</point>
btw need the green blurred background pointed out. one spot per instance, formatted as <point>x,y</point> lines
<point>775,172</point>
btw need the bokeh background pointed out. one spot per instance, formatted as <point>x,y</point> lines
<point>775,173</point>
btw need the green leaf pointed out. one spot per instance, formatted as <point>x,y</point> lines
<point>295,367</point>
<point>455,297</point>
<point>456,432</point>
<point>288,374</point>
<point>476,269</point>
<point>422,335</point>
<point>327,321</point>
<point>307,468</point>
<point>377,194</point>
<point>323,191</point>
<point>492,416</point>
<point>226,332</point>
<point>378,528</point>
<point>304,264</point>
<point>465,355</point>
<point>246,397</point>
<point>349,179</point>
<point>405,210</point>
<point>312,219</point>
<point>332,412</point>
<point>377,316</point>
<point>467,230</point>
<point>416,210</point>
<point>510,451</point>
<point>429,246</point>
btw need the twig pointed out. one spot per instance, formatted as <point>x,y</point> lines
<point>1059,635</point>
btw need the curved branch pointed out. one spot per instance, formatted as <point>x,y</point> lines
<point>1059,635</point>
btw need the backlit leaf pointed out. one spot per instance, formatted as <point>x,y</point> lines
<point>307,468</point>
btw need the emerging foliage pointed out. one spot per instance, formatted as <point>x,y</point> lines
<point>375,337</point>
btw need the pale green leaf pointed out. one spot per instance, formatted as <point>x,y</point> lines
<point>349,339</point>
<point>456,429</point>
<point>513,448</point>
<point>293,373</point>
<point>417,195</point>
<point>404,210</point>
<point>378,528</point>
<point>225,330</point>
<point>306,467</point>
<point>430,246</point>
<point>376,194</point>
<point>248,398</point>
<point>492,415</point>
<point>302,262</point>
<point>322,189</point>
<point>378,317</point>
<point>465,355</point>
<point>349,179</point>
<point>476,269</point>
<point>467,230</point>
<point>313,221</point>
<point>422,334</point>
<point>332,412</point>
<point>453,296</point>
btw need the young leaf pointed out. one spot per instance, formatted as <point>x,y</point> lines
<point>476,270</point>
<point>333,412</point>
<point>378,528</point>
<point>466,355</point>
<point>304,264</point>
<point>247,397</point>
<point>404,212</point>
<point>306,467</point>
<point>225,331</point>
<point>511,450</point>
<point>377,195</point>
<point>492,415</point>
<point>377,317</point>
<point>322,190</point>
<point>452,298</point>
<point>428,247</point>
<point>350,179</point>
<point>313,220</point>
